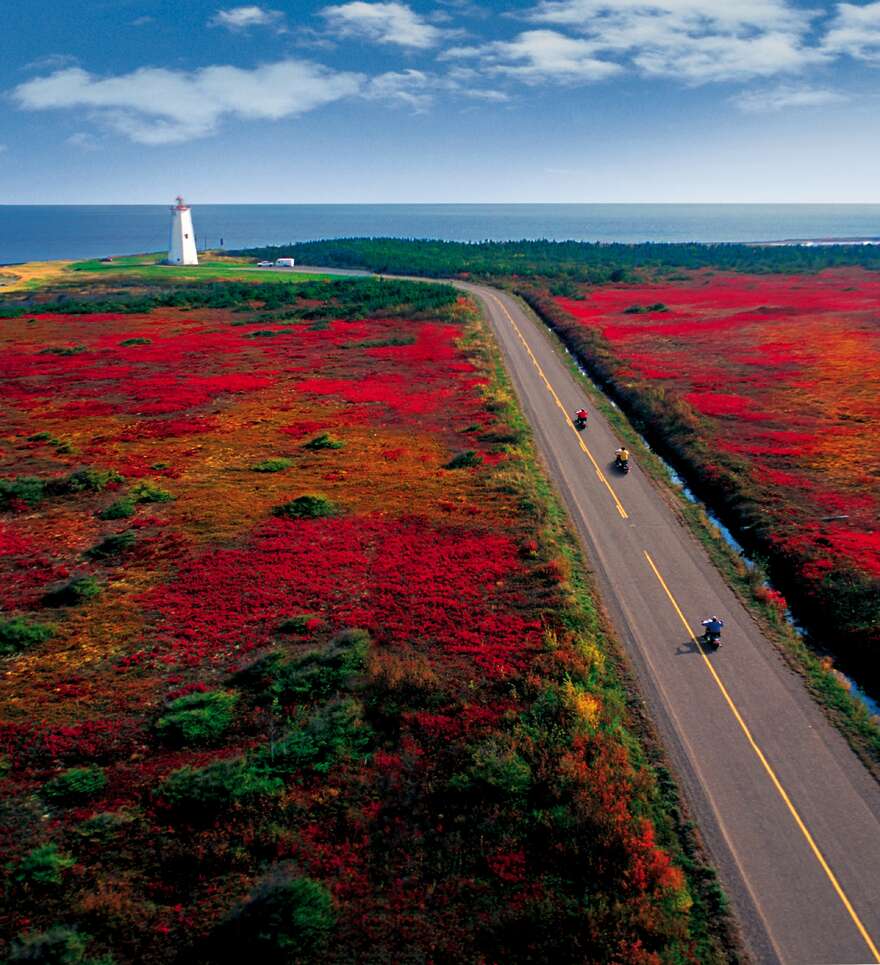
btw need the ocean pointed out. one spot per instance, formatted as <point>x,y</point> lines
<point>43,232</point>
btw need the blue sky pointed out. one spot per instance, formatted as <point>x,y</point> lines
<point>449,100</point>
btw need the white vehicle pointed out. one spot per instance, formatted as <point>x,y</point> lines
<point>265,264</point>
<point>284,262</point>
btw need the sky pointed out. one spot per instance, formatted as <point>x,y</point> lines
<point>131,101</point>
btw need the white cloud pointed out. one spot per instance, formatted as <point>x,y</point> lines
<point>855,31</point>
<point>83,141</point>
<point>159,106</point>
<point>719,15</point>
<point>384,23</point>
<point>786,96</point>
<point>410,87</point>
<point>697,41</point>
<point>719,58</point>
<point>51,62</point>
<point>418,89</point>
<point>536,56</point>
<point>241,18</point>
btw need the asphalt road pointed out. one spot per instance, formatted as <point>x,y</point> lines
<point>789,814</point>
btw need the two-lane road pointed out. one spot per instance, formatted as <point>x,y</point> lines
<point>791,817</point>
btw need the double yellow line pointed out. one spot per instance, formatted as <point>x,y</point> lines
<point>777,784</point>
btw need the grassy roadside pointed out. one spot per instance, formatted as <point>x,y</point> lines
<point>846,712</point>
<point>712,928</point>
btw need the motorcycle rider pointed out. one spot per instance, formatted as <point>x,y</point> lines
<point>713,629</point>
<point>622,455</point>
<point>581,416</point>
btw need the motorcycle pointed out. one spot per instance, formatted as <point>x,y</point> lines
<point>580,423</point>
<point>621,465</point>
<point>711,638</point>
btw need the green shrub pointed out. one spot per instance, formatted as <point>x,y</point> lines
<point>64,350</point>
<point>391,340</point>
<point>43,866</point>
<point>147,492</point>
<point>18,634</point>
<point>334,732</point>
<point>497,764</point>
<point>272,465</point>
<point>306,507</point>
<point>286,920</point>
<point>112,545</point>
<point>75,784</point>
<point>298,623</point>
<point>464,460</point>
<point>320,674</point>
<point>25,489</point>
<point>104,827</point>
<point>87,480</point>
<point>75,591</point>
<point>59,945</point>
<point>269,332</point>
<point>197,790</point>
<point>121,509</point>
<point>323,441</point>
<point>199,718</point>
<point>128,342</point>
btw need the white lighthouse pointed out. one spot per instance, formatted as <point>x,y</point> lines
<point>182,248</point>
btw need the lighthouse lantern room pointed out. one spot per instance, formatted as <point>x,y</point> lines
<point>182,248</point>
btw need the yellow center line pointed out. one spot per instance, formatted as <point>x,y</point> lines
<point>601,475</point>
<point>772,774</point>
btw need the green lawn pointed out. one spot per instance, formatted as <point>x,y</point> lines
<point>148,266</point>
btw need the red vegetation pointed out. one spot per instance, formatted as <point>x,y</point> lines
<point>452,817</point>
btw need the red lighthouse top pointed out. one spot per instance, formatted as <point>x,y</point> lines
<point>181,204</point>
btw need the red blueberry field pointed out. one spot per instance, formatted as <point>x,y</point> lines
<point>768,387</point>
<point>293,668</point>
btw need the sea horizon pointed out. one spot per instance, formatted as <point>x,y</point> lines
<point>43,232</point>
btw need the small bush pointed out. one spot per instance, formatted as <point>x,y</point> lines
<point>57,946</point>
<point>85,481</point>
<point>128,342</point>
<point>272,465</point>
<point>335,731</point>
<point>323,441</point>
<point>64,350</point>
<point>18,634</point>
<point>464,460</point>
<point>390,341</point>
<point>269,332</point>
<point>287,919</point>
<point>75,784</point>
<point>44,865</point>
<point>197,790</point>
<point>300,623</point>
<point>112,545</point>
<point>199,718</point>
<point>74,592</point>
<point>497,764</point>
<point>25,489</point>
<point>306,507</point>
<point>147,492</point>
<point>322,673</point>
<point>121,509</point>
<point>104,827</point>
